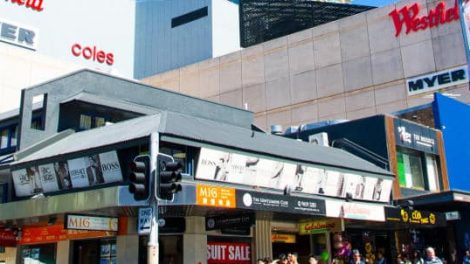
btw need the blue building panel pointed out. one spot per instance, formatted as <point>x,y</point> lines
<point>453,118</point>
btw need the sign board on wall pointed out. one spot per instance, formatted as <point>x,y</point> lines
<point>415,217</point>
<point>87,222</point>
<point>55,233</point>
<point>228,253</point>
<point>235,168</point>
<point>321,226</point>
<point>145,221</point>
<point>7,238</point>
<point>283,238</point>
<point>62,175</point>
<point>436,81</point>
<point>229,221</point>
<point>355,211</point>
<point>215,196</point>
<point>414,136</point>
<point>18,35</point>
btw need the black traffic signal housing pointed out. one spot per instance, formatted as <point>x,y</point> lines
<point>169,178</point>
<point>139,178</point>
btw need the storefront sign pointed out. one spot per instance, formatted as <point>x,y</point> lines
<point>208,195</point>
<point>408,17</point>
<point>235,168</point>
<point>279,203</point>
<point>92,54</point>
<point>356,211</point>
<point>437,81</point>
<point>63,175</point>
<point>283,238</point>
<point>321,226</point>
<point>18,35</point>
<point>228,253</point>
<point>229,221</point>
<point>414,217</point>
<point>55,233</point>
<point>35,5</point>
<point>451,216</point>
<point>85,222</point>
<point>415,136</point>
<point>7,238</point>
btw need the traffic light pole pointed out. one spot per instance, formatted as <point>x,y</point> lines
<point>152,246</point>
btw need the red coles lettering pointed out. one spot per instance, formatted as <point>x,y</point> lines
<point>92,53</point>
<point>408,17</point>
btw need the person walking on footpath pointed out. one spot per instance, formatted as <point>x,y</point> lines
<point>431,257</point>
<point>356,257</point>
<point>466,258</point>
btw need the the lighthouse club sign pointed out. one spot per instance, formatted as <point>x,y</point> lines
<point>409,19</point>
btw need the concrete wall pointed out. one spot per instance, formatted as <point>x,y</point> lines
<point>21,68</point>
<point>350,68</point>
<point>9,256</point>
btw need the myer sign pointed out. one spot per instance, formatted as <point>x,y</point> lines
<point>436,81</point>
<point>18,35</point>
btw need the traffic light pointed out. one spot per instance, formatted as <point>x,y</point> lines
<point>139,177</point>
<point>168,180</point>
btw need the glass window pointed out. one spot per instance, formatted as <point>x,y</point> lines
<point>432,170</point>
<point>4,138</point>
<point>85,122</point>
<point>14,136</point>
<point>100,121</point>
<point>410,170</point>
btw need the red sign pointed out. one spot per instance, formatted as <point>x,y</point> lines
<point>228,253</point>
<point>92,53</point>
<point>7,238</point>
<point>408,16</point>
<point>35,5</point>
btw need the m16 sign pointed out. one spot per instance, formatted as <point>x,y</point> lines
<point>408,17</point>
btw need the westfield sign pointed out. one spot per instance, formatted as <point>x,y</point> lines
<point>35,5</point>
<point>408,17</point>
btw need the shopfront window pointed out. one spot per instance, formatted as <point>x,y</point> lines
<point>94,251</point>
<point>418,170</point>
<point>89,122</point>
<point>171,249</point>
<point>4,138</point>
<point>43,254</point>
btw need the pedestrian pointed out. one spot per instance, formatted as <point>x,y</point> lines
<point>292,258</point>
<point>356,257</point>
<point>281,260</point>
<point>466,258</point>
<point>417,258</point>
<point>431,257</point>
<point>380,258</point>
<point>312,260</point>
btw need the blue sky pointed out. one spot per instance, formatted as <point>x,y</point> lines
<point>374,2</point>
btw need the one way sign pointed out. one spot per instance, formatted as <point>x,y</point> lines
<point>145,220</point>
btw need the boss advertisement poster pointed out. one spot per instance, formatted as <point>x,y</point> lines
<point>215,165</point>
<point>62,175</point>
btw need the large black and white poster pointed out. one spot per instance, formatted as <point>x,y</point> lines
<point>222,166</point>
<point>62,175</point>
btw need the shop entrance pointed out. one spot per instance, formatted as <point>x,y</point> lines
<point>290,243</point>
<point>171,249</point>
<point>94,251</point>
<point>44,254</point>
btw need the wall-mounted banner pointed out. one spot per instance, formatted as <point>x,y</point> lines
<point>229,221</point>
<point>279,203</point>
<point>216,196</point>
<point>415,136</point>
<point>356,211</point>
<point>437,80</point>
<point>228,253</point>
<point>55,233</point>
<point>222,166</point>
<point>62,175</point>
<point>7,238</point>
<point>415,217</point>
<point>18,35</point>
<point>87,222</point>
<point>283,238</point>
<point>321,226</point>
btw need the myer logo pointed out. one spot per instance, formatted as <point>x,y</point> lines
<point>408,16</point>
<point>436,81</point>
<point>17,35</point>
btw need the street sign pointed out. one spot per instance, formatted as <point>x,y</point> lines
<point>145,220</point>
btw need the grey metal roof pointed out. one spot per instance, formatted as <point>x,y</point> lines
<point>203,130</point>
<point>113,103</point>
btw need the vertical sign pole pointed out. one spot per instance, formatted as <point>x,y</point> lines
<point>464,11</point>
<point>152,246</point>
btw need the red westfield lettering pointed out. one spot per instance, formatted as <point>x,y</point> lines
<point>35,5</point>
<point>408,16</point>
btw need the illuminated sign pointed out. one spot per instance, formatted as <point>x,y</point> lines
<point>92,53</point>
<point>283,238</point>
<point>86,222</point>
<point>215,196</point>
<point>408,17</point>
<point>414,217</point>
<point>17,35</point>
<point>321,226</point>
<point>35,5</point>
